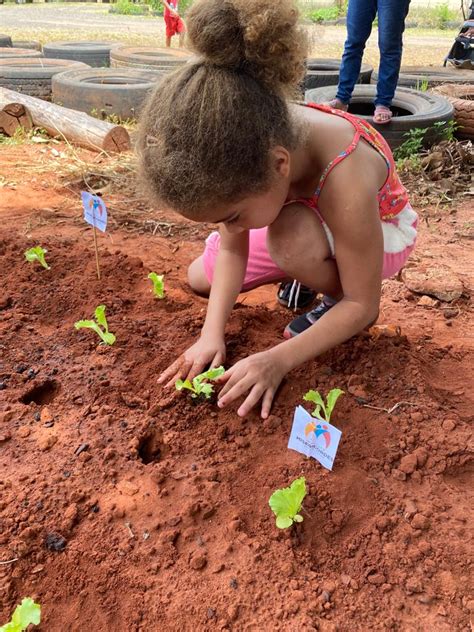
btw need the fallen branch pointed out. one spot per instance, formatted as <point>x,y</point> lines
<point>71,125</point>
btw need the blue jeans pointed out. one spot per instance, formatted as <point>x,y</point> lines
<point>391,20</point>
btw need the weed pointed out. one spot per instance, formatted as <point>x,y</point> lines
<point>412,145</point>
<point>446,129</point>
<point>422,85</point>
<point>104,334</point>
<point>27,613</point>
<point>37,254</point>
<point>286,503</point>
<point>324,14</point>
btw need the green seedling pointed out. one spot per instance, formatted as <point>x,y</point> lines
<point>28,612</point>
<point>158,284</point>
<point>200,386</point>
<point>286,503</point>
<point>328,407</point>
<point>104,333</point>
<point>37,254</point>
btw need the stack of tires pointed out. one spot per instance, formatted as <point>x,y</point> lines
<point>325,72</point>
<point>411,108</point>
<point>148,58</point>
<point>95,54</point>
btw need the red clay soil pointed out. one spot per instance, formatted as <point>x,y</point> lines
<point>124,508</point>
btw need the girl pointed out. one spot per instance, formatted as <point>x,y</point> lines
<point>174,24</point>
<point>299,191</point>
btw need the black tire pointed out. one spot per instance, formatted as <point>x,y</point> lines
<point>412,109</point>
<point>33,76</point>
<point>5,41</point>
<point>147,57</point>
<point>12,53</point>
<point>29,44</point>
<point>325,72</point>
<point>417,77</point>
<point>95,54</point>
<point>105,91</point>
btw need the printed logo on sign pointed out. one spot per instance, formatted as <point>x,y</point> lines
<point>319,431</point>
<point>314,437</point>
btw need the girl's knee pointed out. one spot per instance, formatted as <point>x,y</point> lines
<point>295,235</point>
<point>197,278</point>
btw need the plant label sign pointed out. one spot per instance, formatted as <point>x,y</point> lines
<point>95,211</point>
<point>314,437</point>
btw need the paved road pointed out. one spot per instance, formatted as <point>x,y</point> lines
<point>56,21</point>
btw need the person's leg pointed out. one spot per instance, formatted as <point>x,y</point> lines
<point>168,42</point>
<point>295,246</point>
<point>391,15</point>
<point>360,15</point>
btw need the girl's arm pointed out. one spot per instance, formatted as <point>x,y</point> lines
<point>352,214</point>
<point>170,8</point>
<point>229,274</point>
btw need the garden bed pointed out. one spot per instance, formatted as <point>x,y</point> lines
<point>127,508</point>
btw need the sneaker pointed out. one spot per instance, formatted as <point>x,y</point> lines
<point>303,298</point>
<point>303,322</point>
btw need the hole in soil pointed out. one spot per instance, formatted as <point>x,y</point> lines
<point>151,448</point>
<point>43,393</point>
<point>367,109</point>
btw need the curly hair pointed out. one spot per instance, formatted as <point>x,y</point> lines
<point>208,128</point>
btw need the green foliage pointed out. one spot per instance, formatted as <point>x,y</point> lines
<point>415,139</point>
<point>158,284</point>
<point>125,7</point>
<point>324,14</point>
<point>286,503</point>
<point>412,145</point>
<point>199,386</point>
<point>446,129</point>
<point>443,14</point>
<point>37,254</point>
<point>28,612</point>
<point>328,407</point>
<point>422,85</point>
<point>104,333</point>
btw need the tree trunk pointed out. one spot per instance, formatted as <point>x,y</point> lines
<point>13,116</point>
<point>70,125</point>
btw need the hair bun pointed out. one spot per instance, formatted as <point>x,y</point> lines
<point>260,37</point>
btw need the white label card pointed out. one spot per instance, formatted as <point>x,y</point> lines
<point>95,211</point>
<point>314,437</point>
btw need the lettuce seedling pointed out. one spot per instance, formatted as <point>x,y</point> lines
<point>158,284</point>
<point>28,612</point>
<point>105,335</point>
<point>328,407</point>
<point>199,386</point>
<point>286,503</point>
<point>37,254</point>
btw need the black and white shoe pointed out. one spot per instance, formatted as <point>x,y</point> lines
<point>290,295</point>
<point>304,322</point>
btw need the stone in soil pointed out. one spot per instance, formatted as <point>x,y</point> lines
<point>440,282</point>
<point>55,542</point>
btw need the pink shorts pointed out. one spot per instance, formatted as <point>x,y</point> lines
<point>399,236</point>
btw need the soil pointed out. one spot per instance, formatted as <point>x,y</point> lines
<point>126,508</point>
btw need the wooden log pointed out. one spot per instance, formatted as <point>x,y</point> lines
<point>75,127</point>
<point>13,116</point>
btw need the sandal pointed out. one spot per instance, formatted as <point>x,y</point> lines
<point>337,104</point>
<point>382,115</point>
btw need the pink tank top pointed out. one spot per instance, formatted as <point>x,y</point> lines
<point>393,196</point>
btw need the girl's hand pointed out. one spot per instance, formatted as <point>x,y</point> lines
<point>260,374</point>
<point>207,351</point>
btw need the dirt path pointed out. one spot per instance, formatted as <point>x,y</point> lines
<point>47,22</point>
<point>125,509</point>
